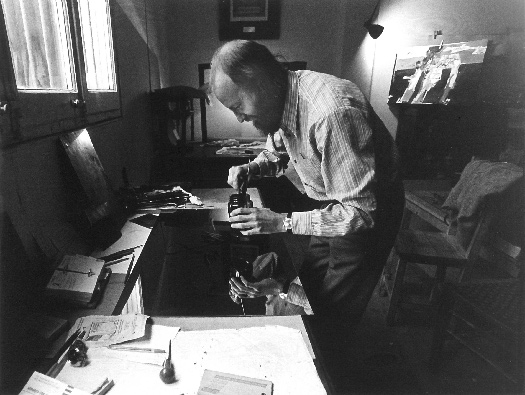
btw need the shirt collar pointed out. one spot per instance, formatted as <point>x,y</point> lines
<point>289,119</point>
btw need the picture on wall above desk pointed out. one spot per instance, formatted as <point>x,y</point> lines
<point>249,19</point>
<point>438,74</point>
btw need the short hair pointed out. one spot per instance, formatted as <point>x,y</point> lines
<point>248,64</point>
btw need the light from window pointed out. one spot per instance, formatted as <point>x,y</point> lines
<point>40,44</point>
<point>97,41</point>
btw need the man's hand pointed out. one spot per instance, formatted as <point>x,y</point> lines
<point>252,221</point>
<point>240,288</point>
<point>237,175</point>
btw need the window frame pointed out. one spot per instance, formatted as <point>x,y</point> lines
<point>35,114</point>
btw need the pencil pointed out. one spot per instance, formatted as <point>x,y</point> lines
<point>136,349</point>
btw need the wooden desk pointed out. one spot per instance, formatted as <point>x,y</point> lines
<point>328,351</point>
<point>192,279</point>
<point>333,356</point>
<point>149,260</point>
<point>260,356</point>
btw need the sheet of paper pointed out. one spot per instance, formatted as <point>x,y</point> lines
<point>274,353</point>
<point>41,384</point>
<point>102,330</point>
<point>156,337</point>
<point>77,273</point>
<point>132,373</point>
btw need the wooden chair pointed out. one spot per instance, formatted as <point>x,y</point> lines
<point>482,184</point>
<point>438,249</point>
<point>486,316</point>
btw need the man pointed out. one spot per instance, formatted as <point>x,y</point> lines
<point>345,158</point>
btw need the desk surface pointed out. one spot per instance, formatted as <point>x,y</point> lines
<point>262,356</point>
<point>198,150</point>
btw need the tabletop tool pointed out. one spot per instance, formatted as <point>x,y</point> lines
<point>167,374</point>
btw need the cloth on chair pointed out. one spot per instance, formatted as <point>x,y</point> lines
<point>481,181</point>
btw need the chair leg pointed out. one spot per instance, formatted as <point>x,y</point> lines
<point>383,287</point>
<point>397,289</point>
<point>435,293</point>
<point>386,275</point>
<point>442,323</point>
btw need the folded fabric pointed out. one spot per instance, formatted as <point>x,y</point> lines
<point>481,182</point>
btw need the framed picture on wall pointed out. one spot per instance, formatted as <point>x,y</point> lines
<point>249,19</point>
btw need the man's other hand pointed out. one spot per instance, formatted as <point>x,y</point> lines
<point>241,288</point>
<point>237,175</point>
<point>252,221</point>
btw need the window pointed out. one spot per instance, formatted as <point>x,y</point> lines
<point>60,57</point>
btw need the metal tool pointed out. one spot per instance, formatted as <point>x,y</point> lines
<point>244,184</point>
<point>77,352</point>
<point>238,275</point>
<point>119,254</point>
<point>167,374</point>
<point>65,269</point>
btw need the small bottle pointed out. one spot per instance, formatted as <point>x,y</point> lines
<point>238,200</point>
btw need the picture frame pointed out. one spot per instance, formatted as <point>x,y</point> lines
<point>249,19</point>
<point>438,74</point>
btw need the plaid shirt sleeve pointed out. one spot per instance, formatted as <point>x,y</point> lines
<point>346,160</point>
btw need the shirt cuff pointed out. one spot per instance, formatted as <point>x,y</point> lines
<point>302,223</point>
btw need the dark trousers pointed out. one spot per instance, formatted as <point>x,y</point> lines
<point>339,274</point>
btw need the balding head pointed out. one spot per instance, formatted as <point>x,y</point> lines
<point>249,80</point>
<point>248,64</point>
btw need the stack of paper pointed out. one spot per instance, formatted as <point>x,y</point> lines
<point>76,278</point>
<point>39,383</point>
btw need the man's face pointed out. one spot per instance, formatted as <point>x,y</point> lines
<point>252,106</point>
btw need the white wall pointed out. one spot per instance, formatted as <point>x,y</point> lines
<point>310,31</point>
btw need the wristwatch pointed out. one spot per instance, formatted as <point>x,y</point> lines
<point>287,222</point>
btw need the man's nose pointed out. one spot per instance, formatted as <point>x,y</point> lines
<point>240,117</point>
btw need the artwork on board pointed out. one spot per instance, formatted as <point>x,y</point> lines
<point>439,74</point>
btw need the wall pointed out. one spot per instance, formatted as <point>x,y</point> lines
<point>412,22</point>
<point>310,31</point>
